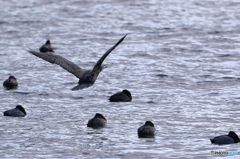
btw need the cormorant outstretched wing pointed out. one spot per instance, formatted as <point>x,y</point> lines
<point>100,61</point>
<point>61,61</point>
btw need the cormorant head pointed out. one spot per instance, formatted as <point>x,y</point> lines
<point>126,92</point>
<point>21,109</point>
<point>98,115</point>
<point>234,136</point>
<point>12,78</point>
<point>149,123</point>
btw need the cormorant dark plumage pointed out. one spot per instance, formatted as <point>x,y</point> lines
<point>86,77</point>
<point>47,47</point>
<point>124,96</point>
<point>231,138</point>
<point>10,83</point>
<point>98,121</point>
<point>147,130</point>
<point>19,111</point>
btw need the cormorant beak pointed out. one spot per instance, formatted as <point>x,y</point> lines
<point>103,67</point>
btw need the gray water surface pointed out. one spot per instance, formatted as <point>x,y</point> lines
<point>180,61</point>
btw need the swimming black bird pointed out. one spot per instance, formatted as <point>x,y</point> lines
<point>19,111</point>
<point>124,96</point>
<point>10,83</point>
<point>98,121</point>
<point>86,77</point>
<point>47,47</point>
<point>147,130</point>
<point>231,138</point>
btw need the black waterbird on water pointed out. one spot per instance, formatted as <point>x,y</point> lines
<point>10,83</point>
<point>231,138</point>
<point>98,121</point>
<point>147,130</point>
<point>47,47</point>
<point>19,111</point>
<point>124,96</point>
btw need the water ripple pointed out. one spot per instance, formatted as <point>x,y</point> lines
<point>180,61</point>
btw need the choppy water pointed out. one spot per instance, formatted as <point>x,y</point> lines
<point>180,62</point>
